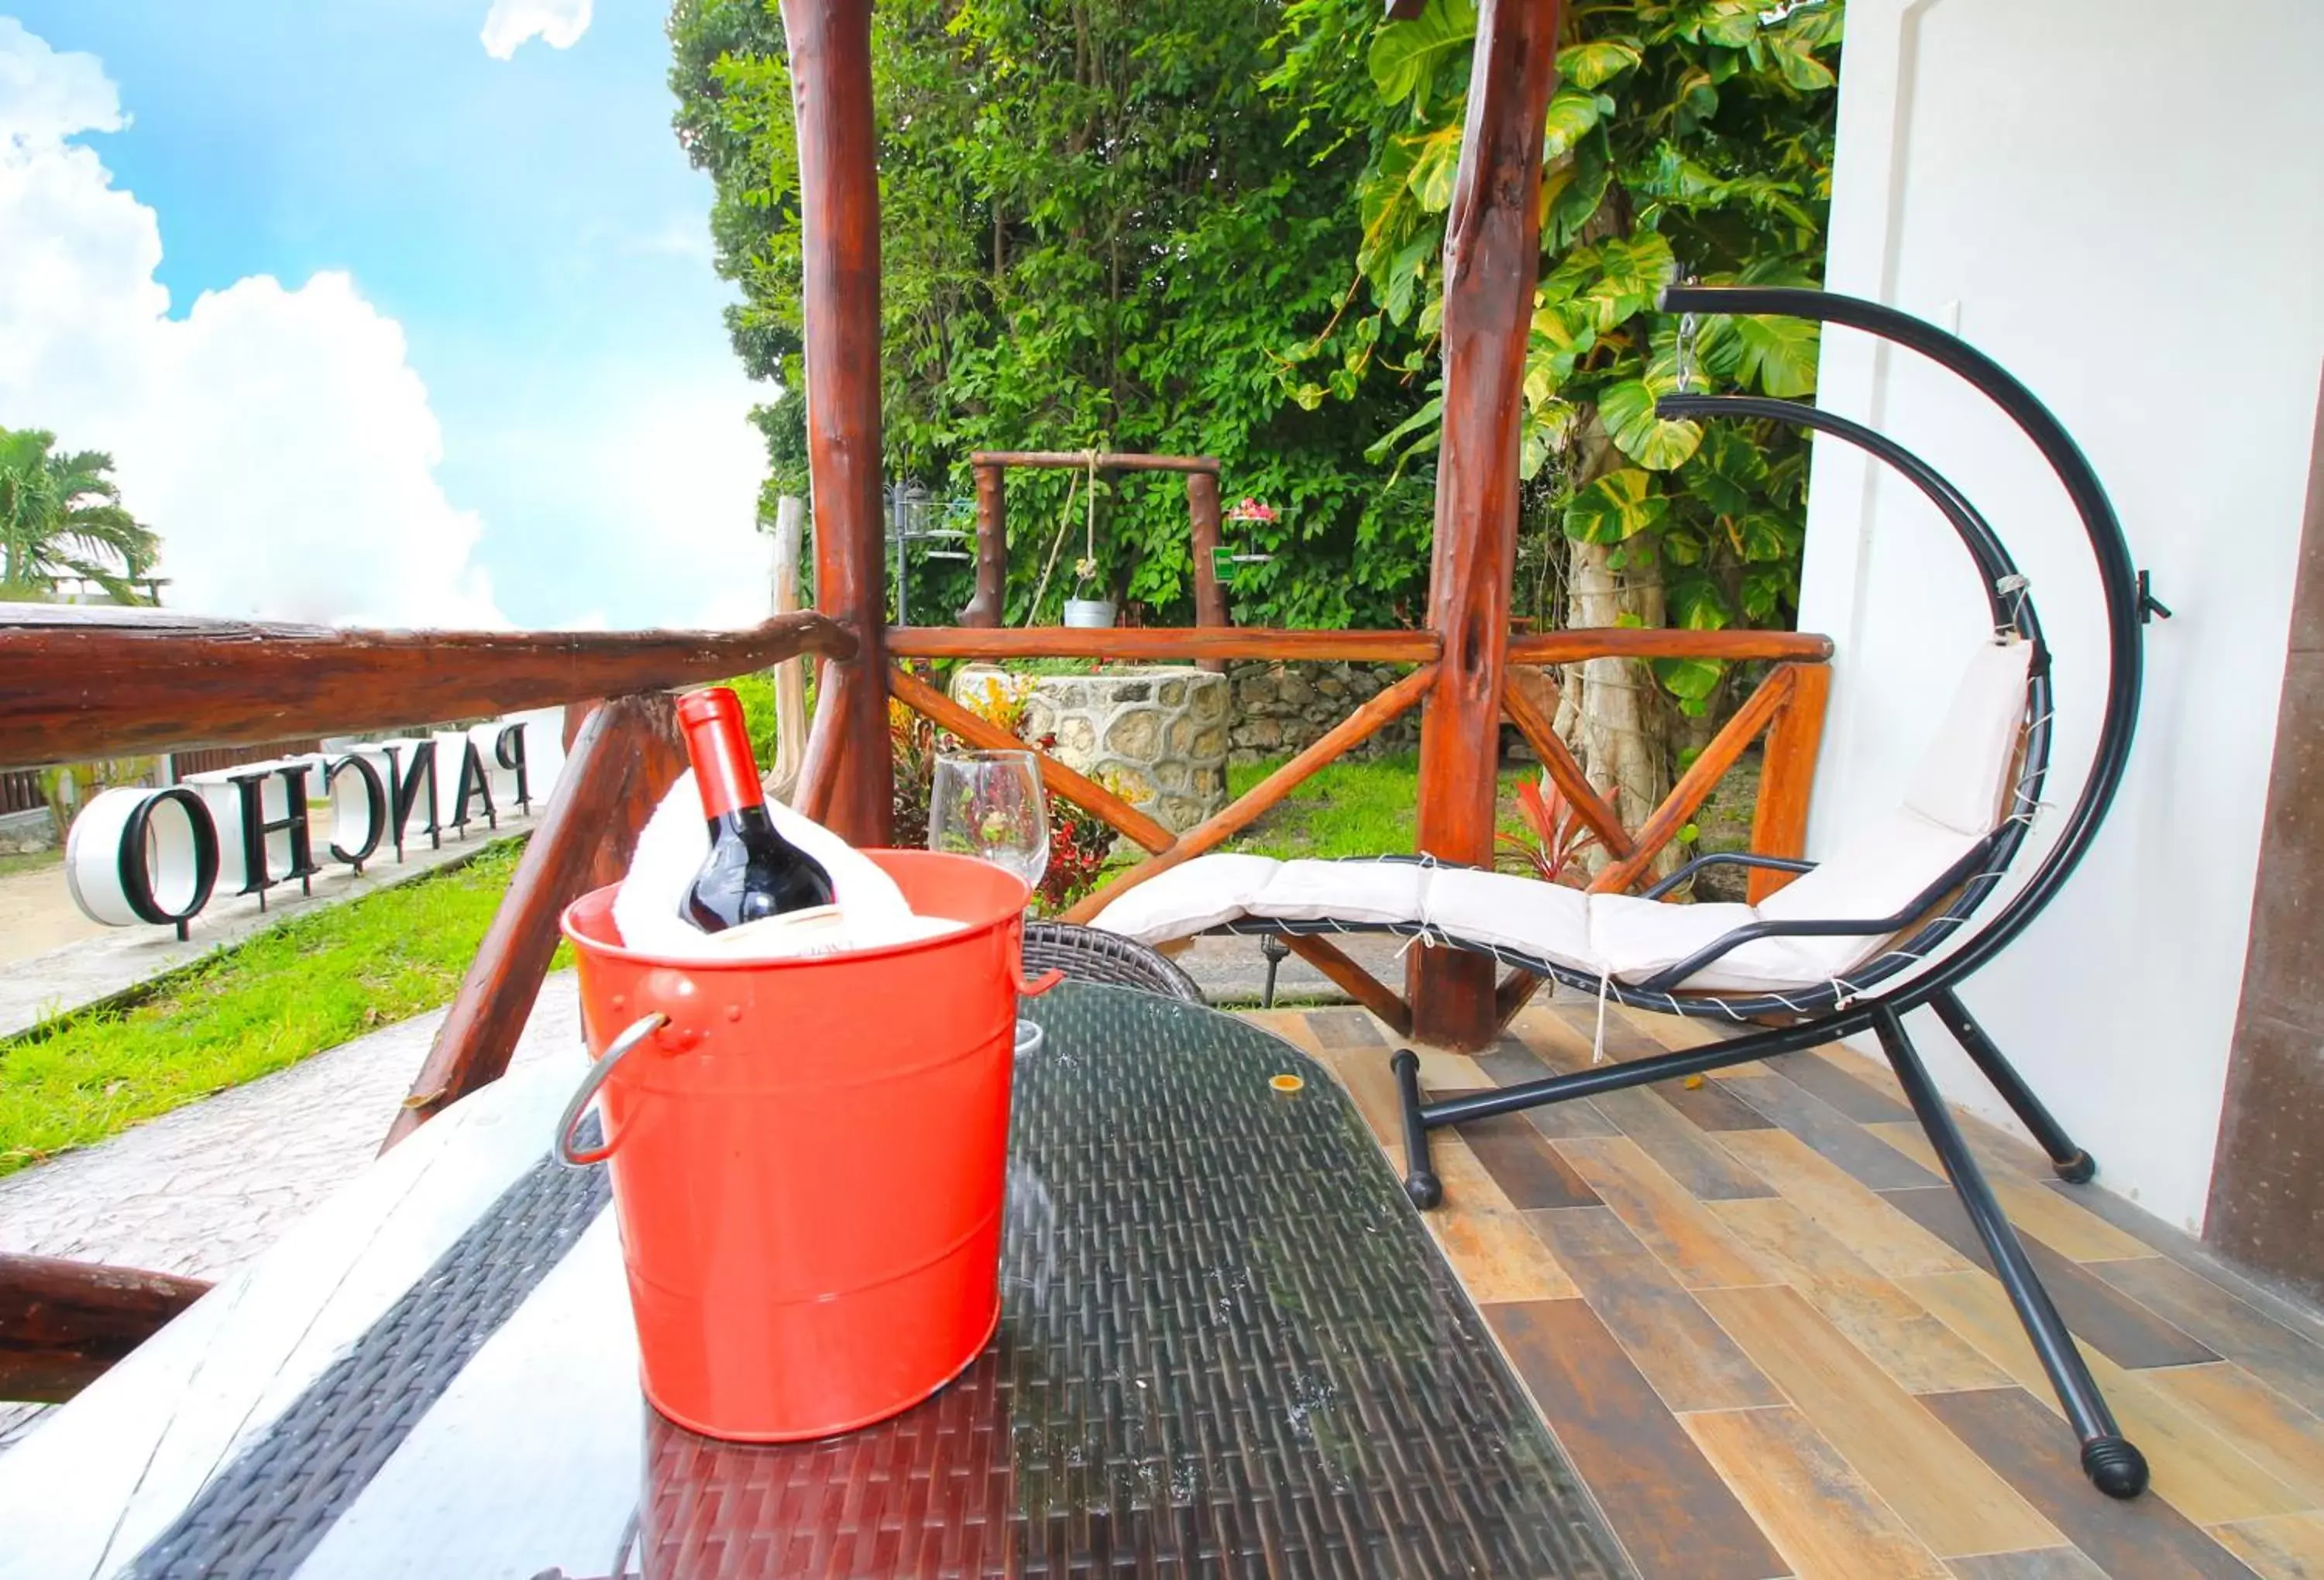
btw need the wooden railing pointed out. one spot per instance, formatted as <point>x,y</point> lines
<point>1787,705</point>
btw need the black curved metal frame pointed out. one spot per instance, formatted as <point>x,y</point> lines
<point>2112,1464</point>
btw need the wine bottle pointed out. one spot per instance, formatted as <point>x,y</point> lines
<point>752,871</point>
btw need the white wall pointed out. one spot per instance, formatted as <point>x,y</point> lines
<point>2123,202</point>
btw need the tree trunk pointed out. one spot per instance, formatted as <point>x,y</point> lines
<point>1612,710</point>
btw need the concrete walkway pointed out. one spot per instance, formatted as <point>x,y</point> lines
<point>41,976</point>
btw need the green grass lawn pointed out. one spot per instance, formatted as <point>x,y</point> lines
<point>16,862</point>
<point>1351,808</point>
<point>311,983</point>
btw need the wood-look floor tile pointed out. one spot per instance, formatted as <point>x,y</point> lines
<point>1345,1028</point>
<point>1672,1223</point>
<point>1484,1236</point>
<point>1939,1489</point>
<point>1862,1219</point>
<point>1920,1352</point>
<point>2273,1432</point>
<point>2119,1326</point>
<point>1569,1038</point>
<point>2287,1547</point>
<point>2032,1203</point>
<point>1681,1146</point>
<point>2284,1360</point>
<point>1859,1098</point>
<point>2060,1563</point>
<point>1691,1363</point>
<point>1821,1515</point>
<point>1832,1133</point>
<point>2001,1157</point>
<point>2200,1472</point>
<point>1673,1515</point>
<point>2143,1538</point>
<point>1521,1161</point>
<point>1509,1062</point>
<point>1371,1087</point>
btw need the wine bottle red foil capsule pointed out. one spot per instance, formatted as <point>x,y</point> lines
<point>719,748</point>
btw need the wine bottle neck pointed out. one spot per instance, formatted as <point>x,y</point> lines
<point>719,751</point>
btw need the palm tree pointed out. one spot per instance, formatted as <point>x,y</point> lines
<point>61,516</point>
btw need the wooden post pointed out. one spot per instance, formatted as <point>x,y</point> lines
<point>1779,823</point>
<point>1492,252</point>
<point>990,607</point>
<point>839,185</point>
<point>626,757</point>
<point>1203,516</point>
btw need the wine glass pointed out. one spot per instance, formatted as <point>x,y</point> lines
<point>989,804</point>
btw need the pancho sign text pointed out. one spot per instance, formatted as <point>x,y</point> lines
<point>138,855</point>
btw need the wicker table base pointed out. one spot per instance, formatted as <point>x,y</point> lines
<point>1227,1349</point>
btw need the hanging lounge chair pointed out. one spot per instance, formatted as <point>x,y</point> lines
<point>1892,921</point>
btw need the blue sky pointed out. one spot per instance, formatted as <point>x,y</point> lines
<point>529,222</point>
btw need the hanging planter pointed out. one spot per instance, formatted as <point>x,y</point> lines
<point>1082,611</point>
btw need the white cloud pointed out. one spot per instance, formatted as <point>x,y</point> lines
<point>559,23</point>
<point>278,439</point>
<point>47,96</point>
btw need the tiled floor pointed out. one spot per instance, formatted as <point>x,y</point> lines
<point>1756,1319</point>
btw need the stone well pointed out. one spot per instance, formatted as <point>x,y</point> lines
<point>1157,737</point>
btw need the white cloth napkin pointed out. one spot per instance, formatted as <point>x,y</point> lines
<point>650,907</point>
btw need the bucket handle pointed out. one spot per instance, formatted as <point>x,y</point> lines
<point>1040,984</point>
<point>568,1153</point>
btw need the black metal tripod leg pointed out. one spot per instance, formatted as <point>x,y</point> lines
<point>2073,1165</point>
<point>1272,947</point>
<point>2114,1467</point>
<point>1420,1180</point>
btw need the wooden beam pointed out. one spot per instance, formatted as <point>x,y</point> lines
<point>1082,791</point>
<point>1203,522</point>
<point>1155,644</point>
<point>1564,773</point>
<point>1342,969</point>
<point>830,43</point>
<point>790,675</point>
<point>820,768</point>
<point>990,607</point>
<point>1779,823</point>
<point>1663,825</point>
<point>1573,645</point>
<point>1107,461</point>
<point>84,683</point>
<point>64,1324</point>
<point>1516,991</point>
<point>1492,252</point>
<point>1352,730</point>
<point>626,757</point>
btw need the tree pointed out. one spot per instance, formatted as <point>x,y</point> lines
<point>1685,137</point>
<point>61,516</point>
<point>1100,230</point>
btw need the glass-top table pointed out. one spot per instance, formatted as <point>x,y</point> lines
<point>1227,1347</point>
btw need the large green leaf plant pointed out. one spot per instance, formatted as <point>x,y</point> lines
<point>1685,137</point>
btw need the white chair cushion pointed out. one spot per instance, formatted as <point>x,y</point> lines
<point>1877,873</point>
<point>1639,939</point>
<point>1523,914</point>
<point>1358,892</point>
<point>1965,771</point>
<point>1189,898</point>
